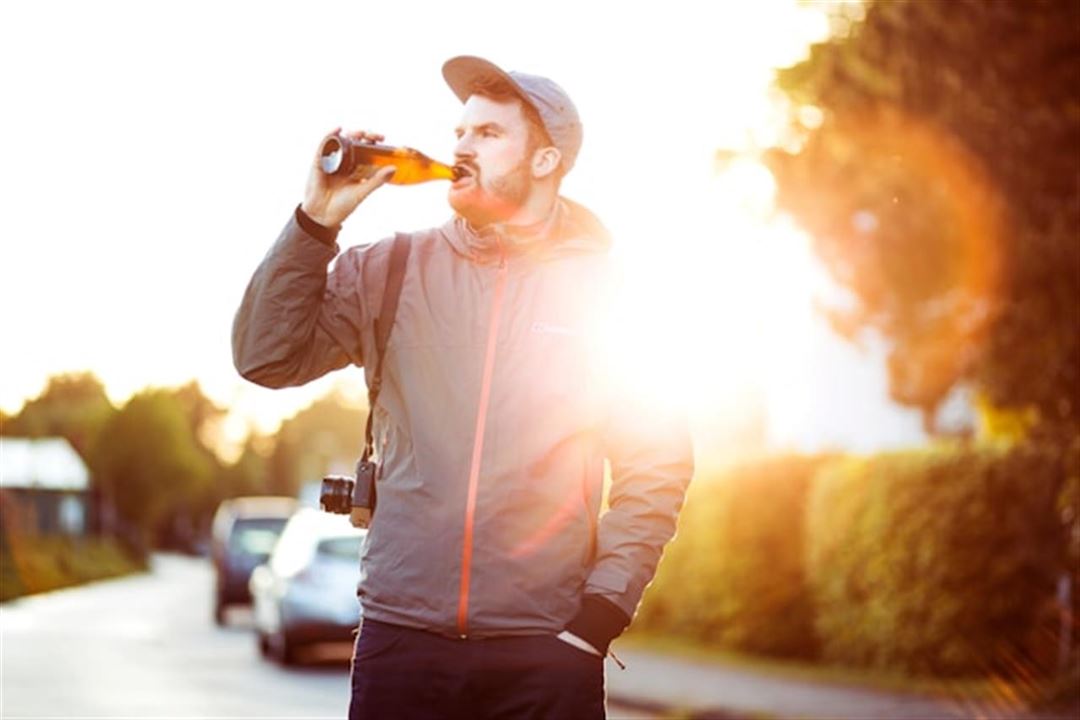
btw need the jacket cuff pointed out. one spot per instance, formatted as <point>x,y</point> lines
<point>325,235</point>
<point>598,622</point>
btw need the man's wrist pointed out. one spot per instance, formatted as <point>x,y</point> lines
<point>598,622</point>
<point>323,233</point>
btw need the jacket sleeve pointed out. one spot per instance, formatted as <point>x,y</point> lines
<point>296,321</point>
<point>651,465</point>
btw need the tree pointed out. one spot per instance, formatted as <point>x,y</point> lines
<point>72,406</point>
<point>202,413</point>
<point>150,462</point>
<point>326,436</point>
<point>939,175</point>
<point>190,518</point>
<point>248,475</point>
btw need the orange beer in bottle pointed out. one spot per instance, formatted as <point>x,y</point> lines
<point>343,156</point>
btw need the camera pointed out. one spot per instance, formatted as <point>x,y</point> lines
<point>336,494</point>
<point>340,493</point>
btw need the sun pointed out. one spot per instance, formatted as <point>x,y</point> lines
<point>708,316</point>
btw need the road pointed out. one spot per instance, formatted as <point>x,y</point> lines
<point>146,647</point>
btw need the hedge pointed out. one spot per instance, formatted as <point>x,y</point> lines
<point>41,564</point>
<point>939,562</point>
<point>733,575</point>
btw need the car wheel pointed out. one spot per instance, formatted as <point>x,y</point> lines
<point>284,649</point>
<point>264,643</point>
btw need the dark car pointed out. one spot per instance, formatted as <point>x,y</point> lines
<point>244,532</point>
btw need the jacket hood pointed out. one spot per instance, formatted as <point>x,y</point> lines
<point>570,229</point>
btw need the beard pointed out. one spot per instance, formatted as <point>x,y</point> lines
<point>490,201</point>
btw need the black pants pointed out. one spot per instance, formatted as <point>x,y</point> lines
<point>404,674</point>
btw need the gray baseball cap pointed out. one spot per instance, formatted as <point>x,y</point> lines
<point>550,101</point>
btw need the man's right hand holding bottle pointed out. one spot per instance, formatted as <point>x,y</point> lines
<point>329,199</point>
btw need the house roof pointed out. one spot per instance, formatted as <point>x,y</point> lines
<point>42,463</point>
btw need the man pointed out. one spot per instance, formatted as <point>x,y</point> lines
<point>492,586</point>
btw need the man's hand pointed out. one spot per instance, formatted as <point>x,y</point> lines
<point>328,199</point>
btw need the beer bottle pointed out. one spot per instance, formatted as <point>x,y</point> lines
<point>343,156</point>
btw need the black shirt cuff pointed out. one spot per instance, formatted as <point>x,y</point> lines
<point>598,622</point>
<point>325,235</point>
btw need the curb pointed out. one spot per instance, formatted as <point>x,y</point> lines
<point>666,711</point>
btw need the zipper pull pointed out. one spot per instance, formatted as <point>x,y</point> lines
<point>613,656</point>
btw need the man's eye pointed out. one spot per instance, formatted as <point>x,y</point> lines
<point>488,132</point>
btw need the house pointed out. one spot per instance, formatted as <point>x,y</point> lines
<point>46,484</point>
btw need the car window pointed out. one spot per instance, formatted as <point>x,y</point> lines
<point>255,536</point>
<point>340,547</point>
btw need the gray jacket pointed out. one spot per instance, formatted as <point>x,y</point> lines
<point>492,426</point>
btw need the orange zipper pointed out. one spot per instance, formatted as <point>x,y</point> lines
<point>478,448</point>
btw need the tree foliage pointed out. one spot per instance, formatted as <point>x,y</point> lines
<point>190,516</point>
<point>938,175</point>
<point>942,561</point>
<point>734,575</point>
<point>154,462</point>
<point>72,406</point>
<point>149,461</point>
<point>249,474</point>
<point>326,436</point>
<point>202,413</point>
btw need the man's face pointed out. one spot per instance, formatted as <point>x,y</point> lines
<point>493,149</point>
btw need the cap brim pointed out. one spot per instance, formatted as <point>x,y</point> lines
<point>462,73</point>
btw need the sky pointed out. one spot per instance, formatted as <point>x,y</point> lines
<point>151,152</point>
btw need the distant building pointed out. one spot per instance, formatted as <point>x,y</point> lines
<point>46,483</point>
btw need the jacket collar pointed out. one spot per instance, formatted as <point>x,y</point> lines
<point>568,228</point>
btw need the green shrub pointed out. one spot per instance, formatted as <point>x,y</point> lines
<point>44,563</point>
<point>733,577</point>
<point>934,562</point>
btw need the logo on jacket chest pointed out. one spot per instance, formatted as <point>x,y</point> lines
<point>547,328</point>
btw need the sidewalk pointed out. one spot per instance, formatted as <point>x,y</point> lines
<point>677,687</point>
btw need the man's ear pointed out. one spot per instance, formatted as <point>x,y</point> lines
<point>545,161</point>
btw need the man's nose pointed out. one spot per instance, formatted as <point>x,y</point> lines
<point>463,150</point>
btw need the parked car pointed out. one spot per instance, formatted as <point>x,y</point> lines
<point>243,533</point>
<point>306,592</point>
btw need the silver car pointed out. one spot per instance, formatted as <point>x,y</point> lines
<point>306,591</point>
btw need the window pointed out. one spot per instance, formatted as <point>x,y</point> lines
<point>341,547</point>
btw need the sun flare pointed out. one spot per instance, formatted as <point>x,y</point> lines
<point>708,320</point>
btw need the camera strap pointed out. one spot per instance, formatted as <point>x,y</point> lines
<point>384,323</point>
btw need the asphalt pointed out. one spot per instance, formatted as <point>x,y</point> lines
<point>676,687</point>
